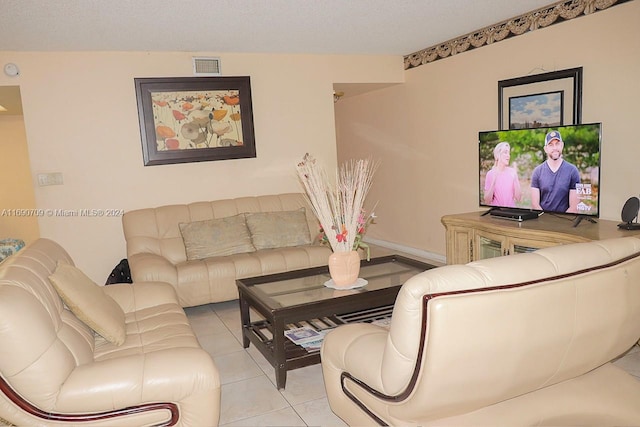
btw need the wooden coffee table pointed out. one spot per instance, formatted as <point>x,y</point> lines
<point>300,298</point>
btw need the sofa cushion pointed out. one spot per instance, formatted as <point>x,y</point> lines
<point>278,229</point>
<point>89,303</point>
<point>216,237</point>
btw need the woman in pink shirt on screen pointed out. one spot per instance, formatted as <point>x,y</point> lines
<point>501,187</point>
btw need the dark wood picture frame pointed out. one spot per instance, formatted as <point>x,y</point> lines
<point>195,119</point>
<point>568,81</point>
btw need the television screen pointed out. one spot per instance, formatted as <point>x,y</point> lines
<point>549,169</point>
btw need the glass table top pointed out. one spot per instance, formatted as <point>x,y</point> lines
<point>311,287</point>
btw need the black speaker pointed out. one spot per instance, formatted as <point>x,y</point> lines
<point>629,213</point>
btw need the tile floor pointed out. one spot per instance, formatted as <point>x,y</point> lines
<point>249,396</point>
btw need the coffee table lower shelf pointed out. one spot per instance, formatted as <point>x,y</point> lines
<point>260,334</point>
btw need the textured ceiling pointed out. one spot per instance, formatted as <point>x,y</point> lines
<point>395,27</point>
<point>372,27</point>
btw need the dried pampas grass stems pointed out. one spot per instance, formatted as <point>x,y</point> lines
<point>338,207</point>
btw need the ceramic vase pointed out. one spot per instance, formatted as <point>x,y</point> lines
<point>344,268</point>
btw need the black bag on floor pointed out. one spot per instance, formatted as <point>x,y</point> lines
<point>120,274</point>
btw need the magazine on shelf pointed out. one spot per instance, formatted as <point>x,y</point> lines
<point>302,335</point>
<point>313,345</point>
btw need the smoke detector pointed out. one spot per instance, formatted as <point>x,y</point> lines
<point>11,70</point>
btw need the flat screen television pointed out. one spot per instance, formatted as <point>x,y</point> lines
<point>544,169</point>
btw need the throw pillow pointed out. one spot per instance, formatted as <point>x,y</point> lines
<point>216,237</point>
<point>278,229</point>
<point>89,303</point>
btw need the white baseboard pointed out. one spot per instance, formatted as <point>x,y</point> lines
<point>428,256</point>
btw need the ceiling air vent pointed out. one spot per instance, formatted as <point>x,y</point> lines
<point>206,66</point>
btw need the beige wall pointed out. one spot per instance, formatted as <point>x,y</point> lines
<point>81,120</point>
<point>17,199</point>
<point>425,131</point>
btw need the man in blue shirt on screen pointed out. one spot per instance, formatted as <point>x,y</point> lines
<point>553,183</point>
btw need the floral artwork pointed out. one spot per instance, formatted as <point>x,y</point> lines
<point>198,119</point>
<point>193,119</point>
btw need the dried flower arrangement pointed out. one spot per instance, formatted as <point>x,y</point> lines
<point>340,208</point>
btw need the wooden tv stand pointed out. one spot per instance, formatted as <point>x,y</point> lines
<point>472,236</point>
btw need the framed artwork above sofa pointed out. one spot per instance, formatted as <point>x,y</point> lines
<point>194,119</point>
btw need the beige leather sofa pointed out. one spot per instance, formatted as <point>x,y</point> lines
<point>514,341</point>
<point>156,249</point>
<point>54,370</point>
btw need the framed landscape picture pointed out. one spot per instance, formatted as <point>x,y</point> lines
<point>539,100</point>
<point>537,110</point>
<point>194,119</point>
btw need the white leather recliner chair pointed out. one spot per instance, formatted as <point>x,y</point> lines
<point>55,370</point>
<point>517,340</point>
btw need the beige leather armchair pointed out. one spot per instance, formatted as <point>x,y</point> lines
<point>54,370</point>
<point>518,340</point>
